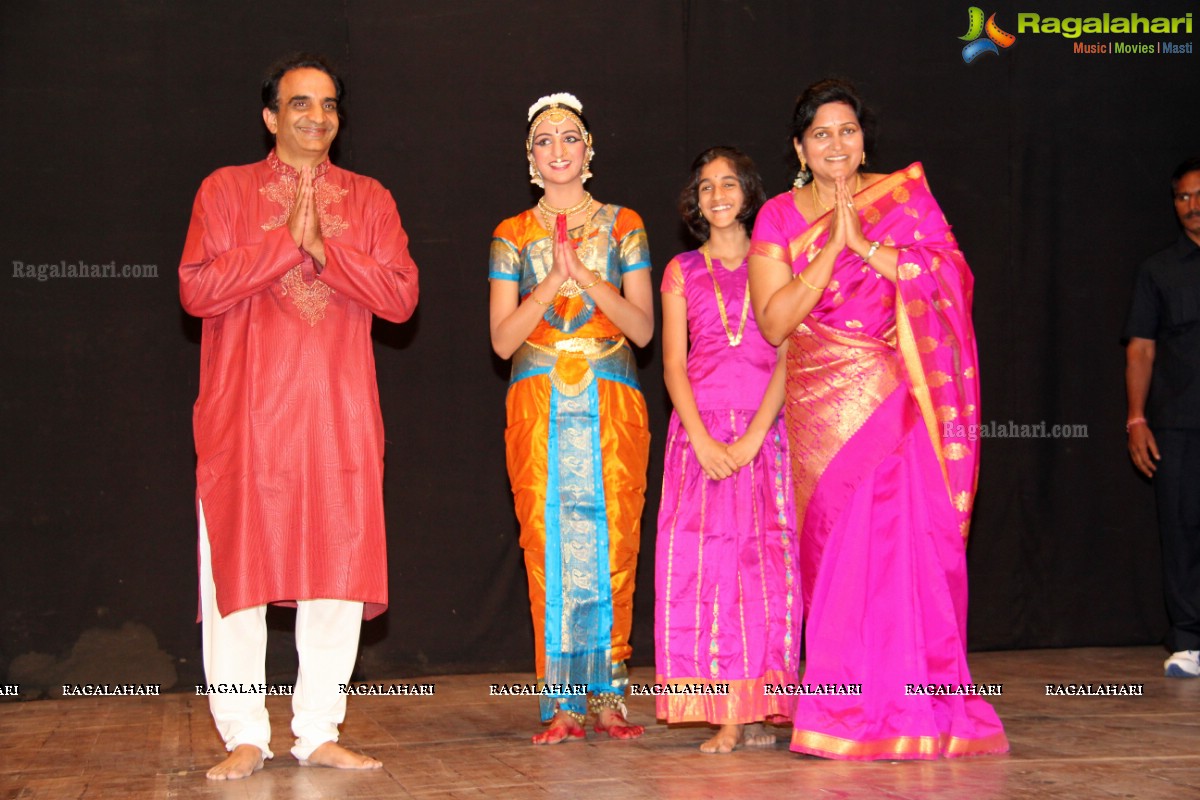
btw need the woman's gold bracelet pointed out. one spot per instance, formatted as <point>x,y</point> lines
<point>593,283</point>
<point>803,280</point>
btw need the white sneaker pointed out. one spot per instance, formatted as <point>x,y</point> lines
<point>1183,664</point>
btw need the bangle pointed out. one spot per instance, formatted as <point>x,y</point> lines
<point>871,252</point>
<point>1129,423</point>
<point>593,283</point>
<point>803,280</point>
<point>533,297</point>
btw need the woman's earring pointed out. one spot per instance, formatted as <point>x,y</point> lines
<point>535,177</point>
<point>802,175</point>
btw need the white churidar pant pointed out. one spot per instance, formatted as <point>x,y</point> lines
<point>235,652</point>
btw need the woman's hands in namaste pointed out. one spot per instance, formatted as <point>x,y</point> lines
<point>845,230</point>
<point>566,260</point>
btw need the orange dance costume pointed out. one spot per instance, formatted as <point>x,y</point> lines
<point>577,449</point>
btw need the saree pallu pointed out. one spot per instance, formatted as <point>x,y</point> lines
<point>577,449</point>
<point>882,381</point>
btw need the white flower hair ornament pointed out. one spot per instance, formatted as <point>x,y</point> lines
<point>557,99</point>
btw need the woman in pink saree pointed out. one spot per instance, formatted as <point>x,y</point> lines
<point>862,275</point>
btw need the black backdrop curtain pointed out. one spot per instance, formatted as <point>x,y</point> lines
<point>1052,166</point>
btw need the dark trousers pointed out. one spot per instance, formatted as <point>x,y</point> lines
<point>1177,492</point>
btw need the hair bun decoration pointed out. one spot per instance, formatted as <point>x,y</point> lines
<point>557,99</point>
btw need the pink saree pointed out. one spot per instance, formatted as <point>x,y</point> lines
<point>883,493</point>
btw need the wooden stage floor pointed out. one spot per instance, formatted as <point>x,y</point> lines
<point>461,743</point>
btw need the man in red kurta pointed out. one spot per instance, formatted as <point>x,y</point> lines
<point>286,261</point>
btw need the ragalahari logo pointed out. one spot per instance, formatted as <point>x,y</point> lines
<point>996,38</point>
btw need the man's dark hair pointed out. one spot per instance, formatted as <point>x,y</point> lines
<point>753,195</point>
<point>1188,165</point>
<point>270,86</point>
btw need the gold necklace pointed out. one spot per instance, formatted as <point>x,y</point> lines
<point>734,341</point>
<point>569,287</point>
<point>549,212</point>
<point>817,195</point>
<point>575,209</point>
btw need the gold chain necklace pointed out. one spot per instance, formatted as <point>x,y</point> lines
<point>569,287</point>
<point>549,212</point>
<point>734,341</point>
<point>575,209</point>
<point>817,195</point>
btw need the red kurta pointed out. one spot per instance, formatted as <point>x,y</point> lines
<point>289,438</point>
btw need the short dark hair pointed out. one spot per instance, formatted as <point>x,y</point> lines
<point>748,178</point>
<point>1187,165</point>
<point>270,86</point>
<point>830,90</point>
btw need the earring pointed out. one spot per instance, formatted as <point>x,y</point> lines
<point>535,177</point>
<point>863,163</point>
<point>802,175</point>
<point>587,165</point>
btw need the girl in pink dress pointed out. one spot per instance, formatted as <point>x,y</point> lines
<point>727,595</point>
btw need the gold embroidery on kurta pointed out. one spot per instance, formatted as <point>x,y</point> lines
<point>309,299</point>
<point>283,192</point>
<point>908,270</point>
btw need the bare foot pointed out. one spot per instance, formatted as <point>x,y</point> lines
<point>611,722</point>
<point>727,739</point>
<point>756,735</point>
<point>332,754</point>
<point>562,728</point>
<point>244,761</point>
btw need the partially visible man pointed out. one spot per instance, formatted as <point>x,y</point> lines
<point>1162,362</point>
<point>286,260</point>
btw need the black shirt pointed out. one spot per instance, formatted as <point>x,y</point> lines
<point>1166,308</point>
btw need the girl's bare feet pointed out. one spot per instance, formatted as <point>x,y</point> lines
<point>756,735</point>
<point>727,739</point>
<point>562,728</point>
<point>612,722</point>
